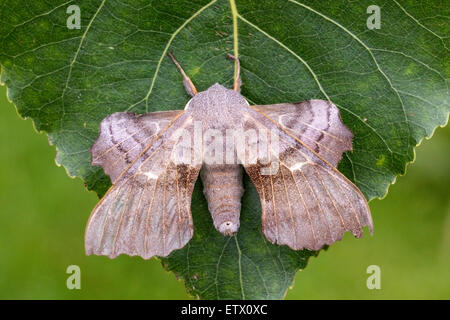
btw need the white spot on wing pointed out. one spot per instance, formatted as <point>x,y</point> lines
<point>283,119</point>
<point>149,175</point>
<point>298,165</point>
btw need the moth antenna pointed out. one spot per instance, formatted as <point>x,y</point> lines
<point>188,84</point>
<point>237,79</point>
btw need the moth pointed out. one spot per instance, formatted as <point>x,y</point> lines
<point>305,201</point>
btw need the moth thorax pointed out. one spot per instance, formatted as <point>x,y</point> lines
<point>223,191</point>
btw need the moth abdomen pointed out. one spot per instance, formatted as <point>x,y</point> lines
<point>222,187</point>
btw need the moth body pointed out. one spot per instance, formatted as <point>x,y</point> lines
<point>218,108</point>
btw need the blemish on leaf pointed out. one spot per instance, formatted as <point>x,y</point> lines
<point>195,71</point>
<point>381,160</point>
<point>411,69</point>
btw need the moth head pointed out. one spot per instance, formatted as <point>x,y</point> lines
<point>217,88</point>
<point>216,100</point>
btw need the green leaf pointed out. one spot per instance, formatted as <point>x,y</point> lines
<point>391,85</point>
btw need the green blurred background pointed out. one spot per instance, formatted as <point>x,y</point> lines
<point>43,214</point>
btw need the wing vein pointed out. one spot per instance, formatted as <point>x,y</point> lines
<point>120,219</point>
<point>178,205</point>
<point>351,204</point>
<point>304,204</point>
<point>329,196</point>
<point>107,215</point>
<point>137,208</point>
<point>146,231</point>
<point>275,217</point>
<point>319,204</point>
<point>290,209</point>
<point>164,210</point>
